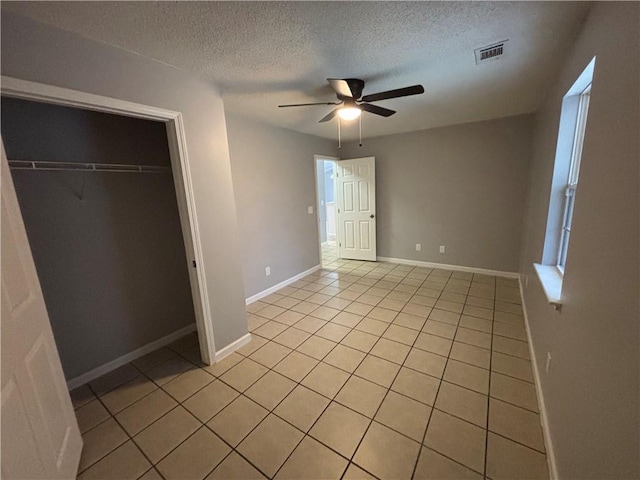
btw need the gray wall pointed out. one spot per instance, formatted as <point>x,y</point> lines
<point>273,177</point>
<point>40,53</point>
<point>108,247</point>
<point>460,186</point>
<point>591,392</point>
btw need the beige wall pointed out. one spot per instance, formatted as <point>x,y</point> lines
<point>591,392</point>
<point>36,52</point>
<point>460,186</point>
<point>273,175</point>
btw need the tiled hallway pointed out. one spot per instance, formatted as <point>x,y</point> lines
<point>360,370</point>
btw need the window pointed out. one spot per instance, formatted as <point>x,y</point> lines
<point>564,183</point>
<point>572,180</point>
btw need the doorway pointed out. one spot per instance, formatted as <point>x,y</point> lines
<point>326,206</point>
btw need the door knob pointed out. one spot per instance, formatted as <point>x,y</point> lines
<point>371,216</point>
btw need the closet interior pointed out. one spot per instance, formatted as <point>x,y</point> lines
<point>98,200</point>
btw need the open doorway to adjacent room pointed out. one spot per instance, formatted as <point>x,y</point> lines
<point>326,207</point>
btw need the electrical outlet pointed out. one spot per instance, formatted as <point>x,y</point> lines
<point>267,271</point>
<point>310,210</point>
<point>442,249</point>
<point>548,364</point>
<point>418,247</point>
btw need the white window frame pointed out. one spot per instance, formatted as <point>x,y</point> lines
<point>572,180</point>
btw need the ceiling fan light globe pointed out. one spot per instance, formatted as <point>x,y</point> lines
<point>349,113</point>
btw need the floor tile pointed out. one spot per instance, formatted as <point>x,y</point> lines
<point>510,318</point>
<point>501,306</point>
<point>243,374</point>
<point>210,400</point>
<point>126,394</point>
<point>357,308</point>
<point>289,317</point>
<point>90,415</point>
<point>254,322</point>
<point>167,371</point>
<point>407,320</point>
<point>480,302</point>
<point>433,466</point>
<point>509,460</point>
<point>81,396</point>
<point>378,370</point>
<point>400,334</point>
<point>325,379</point>
<point>310,324</point>
<point>338,303</point>
<point>302,407</point>
<point>475,323</point>
<point>318,298</point>
<point>316,347</point>
<point>383,314</point>
<point>144,412</point>
<point>419,310</point>
<point>434,344</point>
<point>395,305</point>
<point>271,311</point>
<point>153,359</point>
<point>423,301</point>
<point>237,419</point>
<point>474,311</point>
<point>440,329</point>
<point>372,326</point>
<point>311,460</point>
<point>324,313</point>
<point>296,366</point>
<point>517,332</point>
<point>126,461</point>
<point>166,434</point>
<point>404,415</point>
<point>347,319</point>
<point>512,390</point>
<point>344,358</point>
<point>221,366</point>
<point>445,316</point>
<point>113,379</point>
<point>333,332</point>
<point>416,385</point>
<point>305,307</point>
<point>361,395</point>
<point>100,441</point>
<point>516,423</point>
<point>254,344</point>
<point>194,458</point>
<point>386,453</point>
<point>270,329</point>
<point>453,307</point>
<point>456,439</point>
<point>270,390</point>
<point>360,340</point>
<point>473,337</point>
<point>270,354</point>
<point>512,347</point>
<point>463,403</point>
<point>512,366</point>
<point>234,467</point>
<point>286,302</point>
<point>269,445</point>
<point>188,383</point>
<point>426,362</point>
<point>340,428</point>
<point>468,376</point>
<point>463,352</point>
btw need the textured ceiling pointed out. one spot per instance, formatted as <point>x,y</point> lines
<point>266,53</point>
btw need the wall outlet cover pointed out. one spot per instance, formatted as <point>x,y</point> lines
<point>267,271</point>
<point>442,249</point>
<point>418,247</point>
<point>310,210</point>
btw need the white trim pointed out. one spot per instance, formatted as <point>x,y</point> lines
<point>551,281</point>
<point>544,419</point>
<point>17,88</point>
<point>129,357</point>
<point>459,268</point>
<point>232,347</point>
<point>288,281</point>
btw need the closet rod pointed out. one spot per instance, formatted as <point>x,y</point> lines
<point>86,167</point>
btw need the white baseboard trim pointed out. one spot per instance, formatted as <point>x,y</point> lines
<point>459,268</point>
<point>129,357</point>
<point>232,347</point>
<point>289,281</point>
<point>544,421</point>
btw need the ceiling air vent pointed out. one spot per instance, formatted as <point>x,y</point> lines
<point>490,52</point>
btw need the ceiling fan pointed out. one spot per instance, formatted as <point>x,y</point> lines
<point>352,103</point>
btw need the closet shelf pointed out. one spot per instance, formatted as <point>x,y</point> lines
<point>86,167</point>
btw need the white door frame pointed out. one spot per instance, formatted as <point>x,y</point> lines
<point>23,89</point>
<point>316,159</point>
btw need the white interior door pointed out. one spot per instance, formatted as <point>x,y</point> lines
<point>357,208</point>
<point>40,434</point>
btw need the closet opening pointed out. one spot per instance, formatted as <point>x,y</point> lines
<point>107,215</point>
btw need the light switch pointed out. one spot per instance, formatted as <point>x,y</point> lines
<point>310,210</point>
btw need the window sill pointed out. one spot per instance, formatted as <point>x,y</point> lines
<point>551,280</point>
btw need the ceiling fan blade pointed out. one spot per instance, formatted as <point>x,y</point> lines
<point>308,104</point>
<point>341,87</point>
<point>330,115</point>
<point>385,112</point>
<point>400,92</point>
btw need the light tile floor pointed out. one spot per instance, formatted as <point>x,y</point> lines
<point>360,370</point>
<point>329,252</point>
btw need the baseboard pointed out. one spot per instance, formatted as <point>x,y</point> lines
<point>129,357</point>
<point>289,281</point>
<point>544,422</point>
<point>232,347</point>
<point>459,268</point>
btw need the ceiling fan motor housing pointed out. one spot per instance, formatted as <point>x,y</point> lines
<point>356,86</point>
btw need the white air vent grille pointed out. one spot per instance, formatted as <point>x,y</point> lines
<point>490,52</point>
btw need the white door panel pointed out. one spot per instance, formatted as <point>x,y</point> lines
<point>40,435</point>
<point>356,208</point>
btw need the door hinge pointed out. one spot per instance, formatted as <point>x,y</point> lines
<point>193,263</point>
<point>338,210</point>
<point>340,244</point>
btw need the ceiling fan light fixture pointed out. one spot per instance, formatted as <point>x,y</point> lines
<point>349,113</point>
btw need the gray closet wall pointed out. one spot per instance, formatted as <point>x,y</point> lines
<point>107,246</point>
